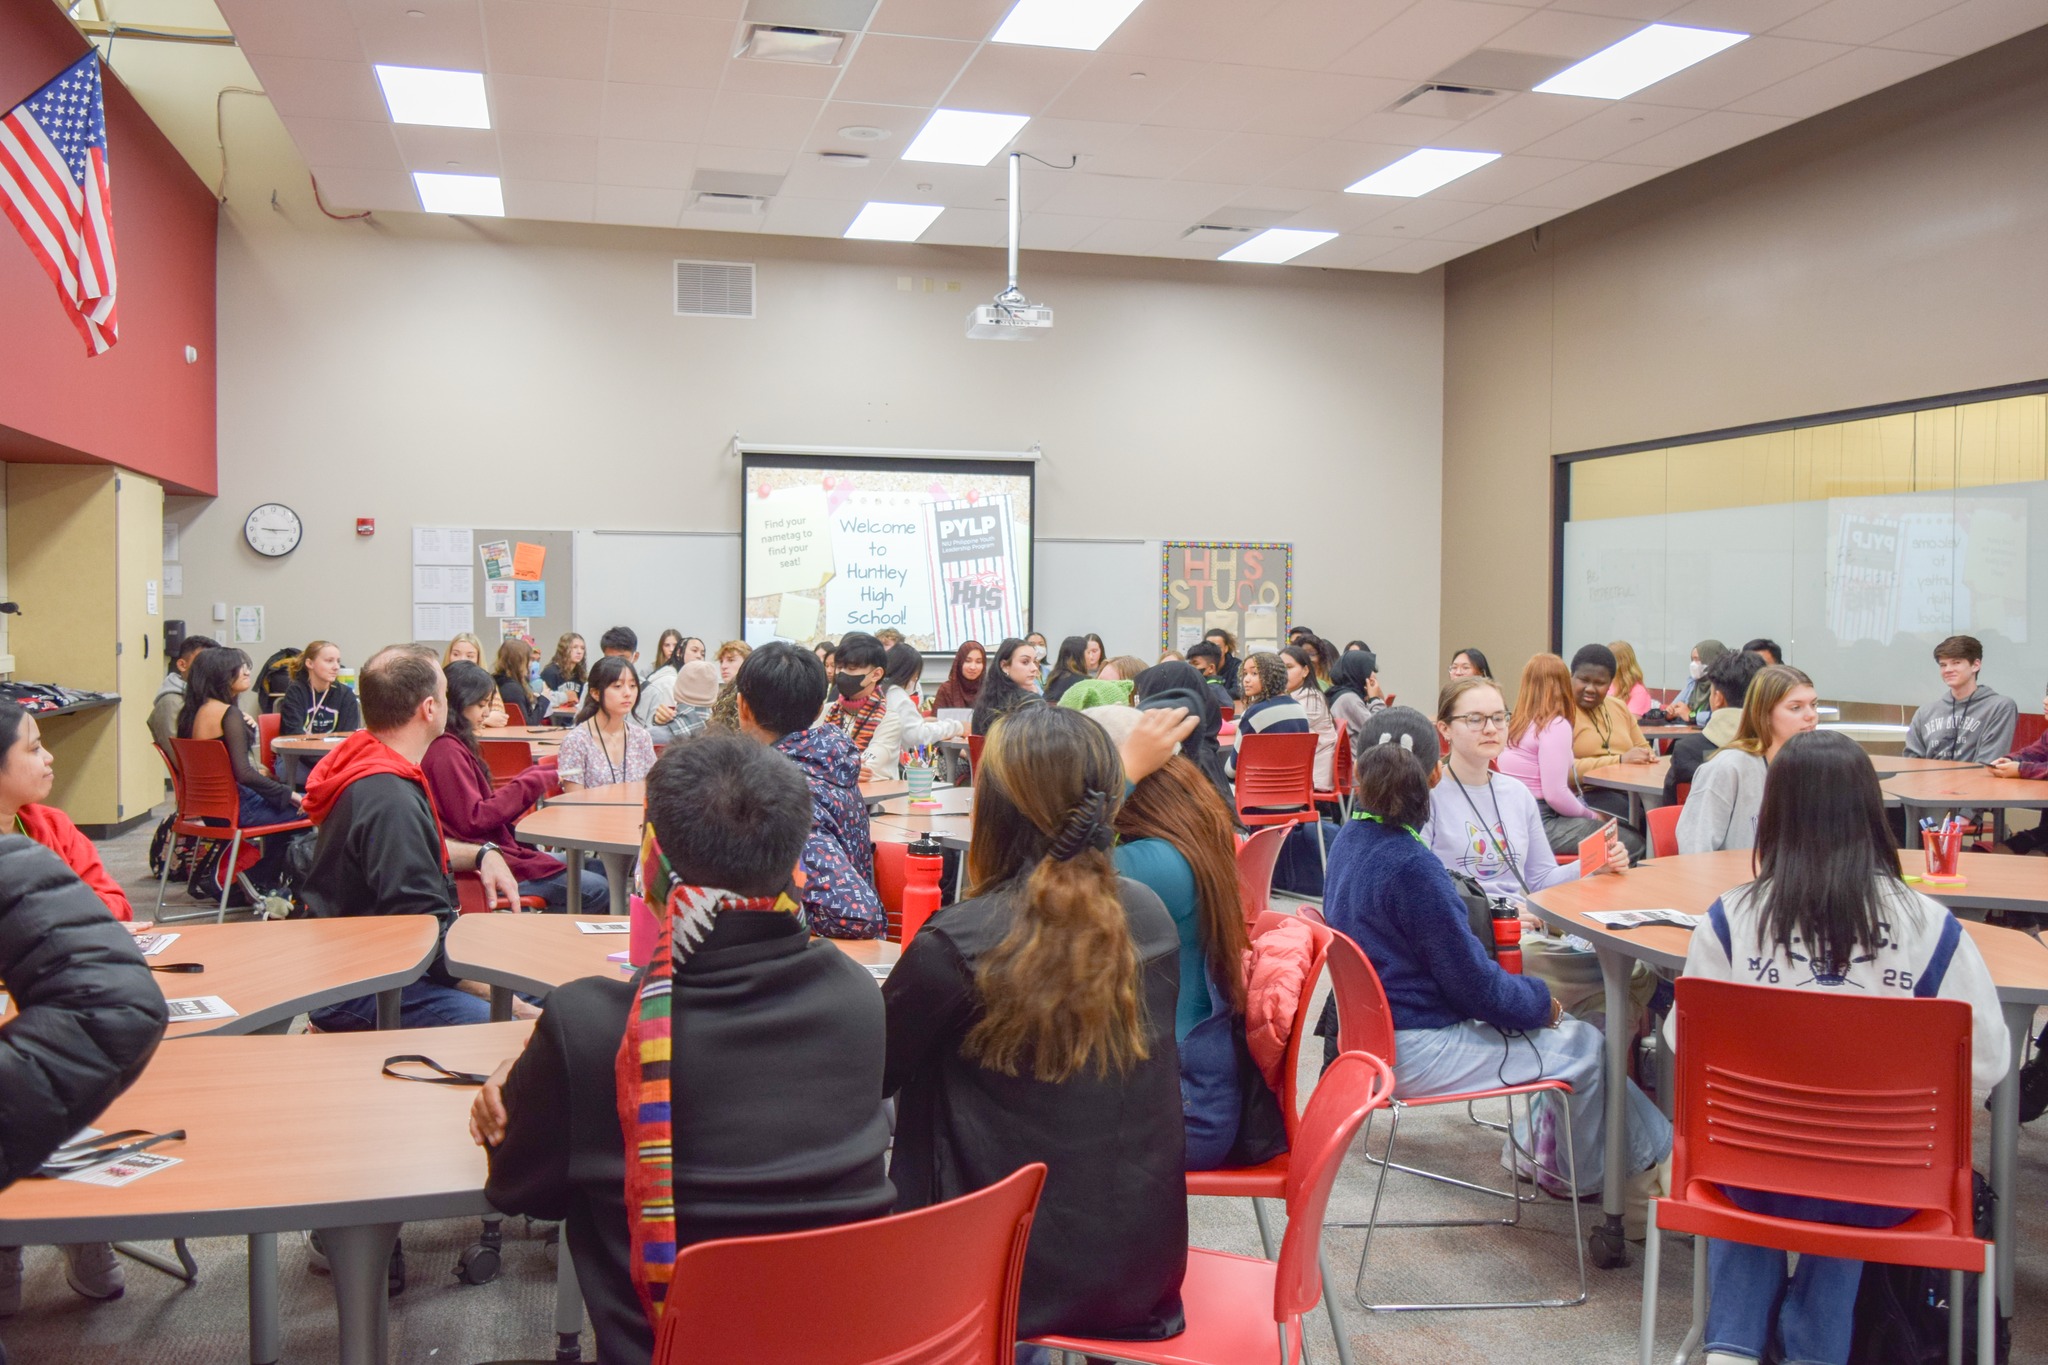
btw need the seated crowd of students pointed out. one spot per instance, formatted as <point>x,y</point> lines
<point>1084,1003</point>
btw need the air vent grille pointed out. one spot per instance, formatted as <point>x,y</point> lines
<point>714,289</point>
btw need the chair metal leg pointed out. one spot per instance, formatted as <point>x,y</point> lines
<point>184,1268</point>
<point>1987,1307</point>
<point>163,882</point>
<point>1512,1193</point>
<point>1653,1248</point>
<point>1338,1330</point>
<point>227,882</point>
<point>1955,1317</point>
<point>1698,1331</point>
<point>1265,1228</point>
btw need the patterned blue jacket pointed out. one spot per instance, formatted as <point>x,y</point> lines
<point>839,857</point>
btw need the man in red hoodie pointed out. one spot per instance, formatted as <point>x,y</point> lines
<point>380,849</point>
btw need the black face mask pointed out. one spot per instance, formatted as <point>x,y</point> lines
<point>849,684</point>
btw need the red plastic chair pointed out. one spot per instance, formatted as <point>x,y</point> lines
<point>1244,1311</point>
<point>268,726</point>
<point>1683,790</point>
<point>1275,783</point>
<point>1257,855</point>
<point>506,758</point>
<point>469,898</point>
<point>1773,1093</point>
<point>1663,822</point>
<point>891,871</point>
<point>206,790</point>
<point>1339,793</point>
<point>1365,1023</point>
<point>515,714</point>
<point>974,743</point>
<point>729,1299</point>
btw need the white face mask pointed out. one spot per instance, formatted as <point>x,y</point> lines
<point>1696,670</point>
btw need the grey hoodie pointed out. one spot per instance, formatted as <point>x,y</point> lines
<point>1975,731</point>
<point>164,708</point>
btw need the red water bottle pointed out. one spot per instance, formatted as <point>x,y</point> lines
<point>923,862</point>
<point>1507,938</point>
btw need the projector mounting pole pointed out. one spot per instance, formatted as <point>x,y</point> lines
<point>1016,222</point>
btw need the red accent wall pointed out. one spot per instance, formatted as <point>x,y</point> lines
<point>140,405</point>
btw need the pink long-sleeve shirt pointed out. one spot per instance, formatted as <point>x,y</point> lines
<point>1542,761</point>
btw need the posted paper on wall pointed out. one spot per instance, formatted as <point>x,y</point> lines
<point>443,583</point>
<point>498,598</point>
<point>442,544</point>
<point>442,620</point>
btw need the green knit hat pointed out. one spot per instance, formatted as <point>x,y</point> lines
<point>1095,692</point>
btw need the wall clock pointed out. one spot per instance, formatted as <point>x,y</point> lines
<point>273,530</point>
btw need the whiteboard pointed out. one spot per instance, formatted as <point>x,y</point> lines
<point>1105,587</point>
<point>651,580</point>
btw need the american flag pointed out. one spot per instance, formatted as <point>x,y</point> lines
<point>53,185</point>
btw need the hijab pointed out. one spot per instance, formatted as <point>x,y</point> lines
<point>1172,684</point>
<point>1352,671</point>
<point>959,692</point>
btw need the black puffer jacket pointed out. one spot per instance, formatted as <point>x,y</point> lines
<point>90,1015</point>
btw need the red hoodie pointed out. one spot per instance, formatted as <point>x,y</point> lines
<point>53,829</point>
<point>361,755</point>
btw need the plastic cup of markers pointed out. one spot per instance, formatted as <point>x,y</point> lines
<point>920,780</point>
<point>1944,850</point>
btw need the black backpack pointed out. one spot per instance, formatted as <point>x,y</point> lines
<point>1902,1310</point>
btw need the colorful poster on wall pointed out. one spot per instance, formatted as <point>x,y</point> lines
<point>1244,587</point>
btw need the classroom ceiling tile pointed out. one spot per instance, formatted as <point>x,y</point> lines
<point>1740,71</point>
<point>969,227</point>
<point>667,49</point>
<point>1497,182</point>
<point>1191,30</point>
<point>1613,126</point>
<point>1056,139</point>
<point>971,20</point>
<point>648,165</point>
<point>1406,130</point>
<point>315,88</point>
<point>799,79</point>
<point>1850,76</point>
<point>1320,104</point>
<point>1701,138</point>
<point>1518,121</point>
<point>744,160</point>
<point>1647,11</point>
<point>336,142</point>
<point>533,39</point>
<point>542,156</point>
<point>546,104</point>
<point>1493,223</point>
<point>799,217</point>
<point>1429,36</point>
<point>293,28</point>
<point>453,151</point>
<point>1008,79</point>
<point>1126,237</point>
<point>739,120</point>
<point>1308,35</point>
<point>1155,152</point>
<point>1116,87</point>
<point>890,70</point>
<point>1560,33</point>
<point>1587,185</point>
<point>658,113</point>
<point>1741,16</point>
<point>1246,158</point>
<point>346,188</point>
<point>409,33</point>
<point>638,206</point>
<point>1970,26</point>
<point>1859,21</point>
<point>1419,217</point>
<point>560,201</point>
<point>1412,258</point>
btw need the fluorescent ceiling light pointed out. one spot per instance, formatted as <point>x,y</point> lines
<point>1082,24</point>
<point>447,99</point>
<point>1420,172</point>
<point>475,195</point>
<point>1275,245</point>
<point>1641,59</point>
<point>893,222</point>
<point>963,138</point>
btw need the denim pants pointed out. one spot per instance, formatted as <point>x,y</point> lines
<point>1476,1056</point>
<point>596,898</point>
<point>423,1004</point>
<point>1815,1312</point>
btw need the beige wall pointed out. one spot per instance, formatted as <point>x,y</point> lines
<point>1892,249</point>
<point>432,371</point>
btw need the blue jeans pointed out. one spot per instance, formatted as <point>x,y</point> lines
<point>1815,1312</point>
<point>255,808</point>
<point>423,1004</point>
<point>596,898</point>
<point>1476,1056</point>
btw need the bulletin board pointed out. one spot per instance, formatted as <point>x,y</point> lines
<point>1244,587</point>
<point>556,584</point>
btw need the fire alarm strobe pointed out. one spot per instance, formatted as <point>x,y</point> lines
<point>366,526</point>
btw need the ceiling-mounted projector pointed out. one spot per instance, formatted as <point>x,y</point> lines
<point>1012,317</point>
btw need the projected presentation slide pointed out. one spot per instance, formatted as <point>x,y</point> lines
<point>940,550</point>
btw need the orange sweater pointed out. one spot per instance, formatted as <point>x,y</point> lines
<point>53,829</point>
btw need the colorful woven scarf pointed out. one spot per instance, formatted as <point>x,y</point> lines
<point>683,916</point>
<point>859,726</point>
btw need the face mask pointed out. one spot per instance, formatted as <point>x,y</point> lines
<point>1696,670</point>
<point>849,684</point>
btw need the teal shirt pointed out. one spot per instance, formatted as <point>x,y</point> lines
<point>1156,864</point>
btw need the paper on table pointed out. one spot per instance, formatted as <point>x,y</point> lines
<point>149,945</point>
<point>126,1171</point>
<point>497,557</point>
<point>1635,919</point>
<point>603,926</point>
<point>527,560</point>
<point>200,1007</point>
<point>792,549</point>
<point>442,583</point>
<point>442,544</point>
<point>798,619</point>
<point>498,598</point>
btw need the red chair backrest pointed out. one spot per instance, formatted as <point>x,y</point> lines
<point>1343,775</point>
<point>268,727</point>
<point>1256,858</point>
<point>1354,1086</point>
<point>974,743</point>
<point>1663,821</point>
<point>515,714</point>
<point>1275,771</point>
<point>2030,727</point>
<point>891,871</point>
<point>1365,1022</point>
<point>208,779</point>
<point>506,758</point>
<point>1780,1090</point>
<point>933,1287</point>
<point>1320,935</point>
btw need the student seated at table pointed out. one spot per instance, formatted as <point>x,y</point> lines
<point>696,688</point>
<point>565,675</point>
<point>1069,667</point>
<point>1355,696</point>
<point>667,651</point>
<point>1269,707</point>
<point>170,693</point>
<point>1090,693</point>
<point>1693,700</point>
<point>658,693</point>
<point>1968,722</point>
<point>512,672</point>
<point>1205,656</point>
<point>1300,663</point>
<point>1604,732</point>
<point>1482,824</point>
<point>1727,683</point>
<point>622,642</point>
<point>1539,756</point>
<point>381,850</point>
<point>460,783</point>
<point>1770,651</point>
<point>828,655</point>
<point>466,648</point>
<point>1321,655</point>
<point>317,702</point>
<point>725,708</point>
<point>1828,911</point>
<point>1470,663</point>
<point>1034,1021</point>
<point>88,1017</point>
<point>27,770</point>
<point>962,687</point>
<point>1011,684</point>
<point>774,1081</point>
<point>1122,668</point>
<point>1043,656</point>
<point>1226,644</point>
<point>1454,1007</point>
<point>857,705</point>
<point>607,745</point>
<point>1094,655</point>
<point>1627,686</point>
<point>1176,685</point>
<point>2028,764</point>
<point>1728,789</point>
<point>903,726</point>
<point>213,710</point>
<point>781,690</point>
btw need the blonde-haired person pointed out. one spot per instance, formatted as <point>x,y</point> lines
<point>1122,668</point>
<point>316,702</point>
<point>1034,1021</point>
<point>1627,686</point>
<point>1728,790</point>
<point>725,707</point>
<point>466,648</point>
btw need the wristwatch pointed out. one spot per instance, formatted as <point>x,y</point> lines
<point>482,849</point>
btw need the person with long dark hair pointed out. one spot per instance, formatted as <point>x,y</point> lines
<point>1355,695</point>
<point>1176,684</point>
<point>607,746</point>
<point>1828,911</point>
<point>962,687</point>
<point>1069,667</point>
<point>1033,1021</point>
<point>1010,685</point>
<point>903,727</point>
<point>213,710</point>
<point>460,782</point>
<point>27,772</point>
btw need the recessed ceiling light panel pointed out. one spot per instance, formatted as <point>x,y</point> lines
<point>477,196</point>
<point>444,99</point>
<point>1420,172</point>
<point>1638,61</point>
<point>878,222</point>
<point>1275,245</point>
<point>1080,24</point>
<point>961,137</point>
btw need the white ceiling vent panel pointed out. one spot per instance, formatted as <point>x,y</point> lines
<point>714,289</point>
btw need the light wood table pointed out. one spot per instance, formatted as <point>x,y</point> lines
<point>1891,765</point>
<point>1971,788</point>
<point>2018,964</point>
<point>277,970</point>
<point>534,953</point>
<point>307,746</point>
<point>286,1133</point>
<point>611,831</point>
<point>635,793</point>
<point>1642,782</point>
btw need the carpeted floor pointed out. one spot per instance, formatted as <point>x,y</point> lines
<point>440,1320</point>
